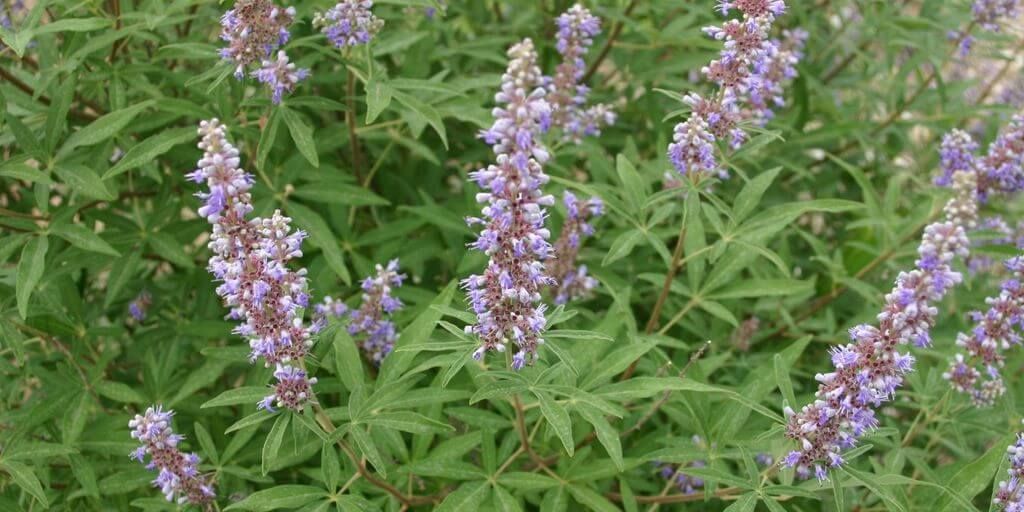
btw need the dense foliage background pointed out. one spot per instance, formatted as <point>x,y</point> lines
<point>100,103</point>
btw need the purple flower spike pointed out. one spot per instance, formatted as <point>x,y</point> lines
<point>252,31</point>
<point>567,97</point>
<point>957,153</point>
<point>280,75</point>
<point>1009,495</point>
<point>371,322</point>
<point>976,371</point>
<point>177,473</point>
<point>991,13</point>
<point>751,73</point>
<point>349,23</point>
<point>250,261</point>
<point>572,281</point>
<point>868,371</point>
<point>506,298</point>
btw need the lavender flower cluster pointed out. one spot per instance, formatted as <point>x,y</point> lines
<point>976,372</point>
<point>870,370</point>
<point>178,474</point>
<point>1009,495</point>
<point>349,23</point>
<point>571,281</point>
<point>8,11</point>
<point>139,306</point>
<point>999,171</point>
<point>750,73</point>
<point>567,96</point>
<point>371,322</point>
<point>506,297</point>
<point>250,260</point>
<point>252,31</point>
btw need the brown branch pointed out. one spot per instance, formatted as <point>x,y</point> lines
<point>612,36</point>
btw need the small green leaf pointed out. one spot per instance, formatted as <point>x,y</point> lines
<point>267,138</point>
<point>606,434</point>
<point>244,395</point>
<point>378,97</point>
<point>30,271</point>
<point>408,421</point>
<point>273,442</point>
<point>750,196</point>
<point>622,246</point>
<point>369,449</point>
<point>26,479</point>
<point>170,249</point>
<point>321,235</point>
<point>291,497</point>
<point>302,134</point>
<point>119,392</point>
<point>558,418</point>
<point>347,361</point>
<point>147,150</point>
<point>83,179</point>
<point>633,185</point>
<point>83,238</point>
<point>469,496</point>
<point>427,112</point>
<point>103,128</point>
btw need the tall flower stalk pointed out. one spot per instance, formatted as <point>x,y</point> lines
<point>253,29</point>
<point>567,96</point>
<point>178,474</point>
<point>571,280</point>
<point>1009,495</point>
<point>371,323</point>
<point>349,23</point>
<point>506,297</point>
<point>250,261</point>
<point>868,371</point>
<point>750,72</point>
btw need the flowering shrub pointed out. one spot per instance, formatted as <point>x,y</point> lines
<point>410,255</point>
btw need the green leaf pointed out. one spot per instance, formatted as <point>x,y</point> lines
<point>558,418</point>
<point>279,497</point>
<point>121,272</point>
<point>30,271</point>
<point>746,503</point>
<point>503,501</point>
<point>591,499</point>
<point>378,97</point>
<point>369,450</point>
<point>83,238</point>
<point>170,249</point>
<point>347,361</point>
<point>26,479</point>
<point>147,150</point>
<point>103,128</point>
<point>607,435</point>
<point>750,196</point>
<point>622,246</point>
<point>245,395</point>
<point>74,25</point>
<point>527,481</point>
<point>869,481</point>
<point>321,235</point>
<point>273,442</point>
<point>302,134</point>
<point>632,183</point>
<point>119,392</point>
<point>426,112</point>
<point>408,421</point>
<point>757,288</point>
<point>783,381</point>
<point>340,193</point>
<point>83,179</point>
<point>973,478</point>
<point>253,419</point>
<point>469,496</point>
<point>414,334</point>
<point>267,138</point>
<point>22,171</point>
